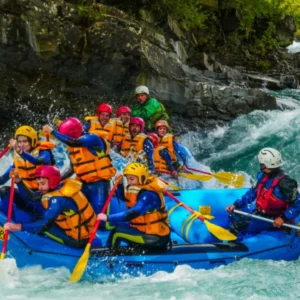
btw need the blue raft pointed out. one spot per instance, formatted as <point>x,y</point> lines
<point>192,245</point>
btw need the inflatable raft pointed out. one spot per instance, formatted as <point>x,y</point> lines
<point>192,244</point>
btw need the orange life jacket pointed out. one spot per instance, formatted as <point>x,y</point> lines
<point>267,202</point>
<point>167,141</point>
<point>26,169</point>
<point>76,224</point>
<point>133,145</point>
<point>159,162</point>
<point>154,221</point>
<point>106,132</point>
<point>89,167</point>
<point>121,130</point>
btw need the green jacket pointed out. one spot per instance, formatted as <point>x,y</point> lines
<point>151,111</point>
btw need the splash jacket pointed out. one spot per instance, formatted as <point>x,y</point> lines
<point>78,224</point>
<point>26,163</point>
<point>150,111</point>
<point>275,195</point>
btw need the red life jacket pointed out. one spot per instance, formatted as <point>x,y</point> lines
<point>267,202</point>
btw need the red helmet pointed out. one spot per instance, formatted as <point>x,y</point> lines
<point>104,107</point>
<point>49,172</point>
<point>154,138</point>
<point>71,127</point>
<point>138,121</point>
<point>122,110</point>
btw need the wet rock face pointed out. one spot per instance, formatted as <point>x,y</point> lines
<point>58,58</point>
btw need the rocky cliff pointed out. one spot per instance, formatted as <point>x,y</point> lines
<point>61,58</point>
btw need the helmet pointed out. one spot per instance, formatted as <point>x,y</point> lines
<point>49,172</point>
<point>161,123</point>
<point>270,157</point>
<point>154,138</point>
<point>122,110</point>
<point>142,89</point>
<point>139,170</point>
<point>138,121</point>
<point>71,127</point>
<point>29,132</point>
<point>104,107</point>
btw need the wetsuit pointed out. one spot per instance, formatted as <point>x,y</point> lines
<point>285,191</point>
<point>97,191</point>
<point>124,232</point>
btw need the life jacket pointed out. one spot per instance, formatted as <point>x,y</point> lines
<point>160,114</point>
<point>76,224</point>
<point>266,201</point>
<point>106,132</point>
<point>167,142</point>
<point>89,167</point>
<point>26,169</point>
<point>133,146</point>
<point>121,130</point>
<point>154,221</point>
<point>159,162</point>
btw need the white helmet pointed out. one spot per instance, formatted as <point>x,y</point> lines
<point>142,89</point>
<point>270,157</point>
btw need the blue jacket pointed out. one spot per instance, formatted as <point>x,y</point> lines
<point>147,200</point>
<point>286,190</point>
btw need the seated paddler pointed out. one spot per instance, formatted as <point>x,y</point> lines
<point>29,154</point>
<point>145,222</point>
<point>275,195</point>
<point>90,160</point>
<point>68,219</point>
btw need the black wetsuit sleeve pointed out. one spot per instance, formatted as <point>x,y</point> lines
<point>289,188</point>
<point>28,193</point>
<point>68,172</point>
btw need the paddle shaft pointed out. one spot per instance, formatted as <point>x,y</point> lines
<point>10,205</point>
<point>182,204</point>
<point>264,219</point>
<point>92,236</point>
<point>196,170</point>
<point>4,150</point>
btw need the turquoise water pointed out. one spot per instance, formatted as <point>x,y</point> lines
<point>231,148</point>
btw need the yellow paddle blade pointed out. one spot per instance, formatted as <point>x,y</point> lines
<point>209,217</point>
<point>230,179</point>
<point>81,264</point>
<point>219,232</point>
<point>194,176</point>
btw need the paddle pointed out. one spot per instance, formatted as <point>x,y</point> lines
<point>191,176</point>
<point>224,177</point>
<point>82,262</point>
<point>264,219</point>
<point>4,150</point>
<point>219,232</point>
<point>10,205</point>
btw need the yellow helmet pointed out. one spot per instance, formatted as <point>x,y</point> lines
<point>139,170</point>
<point>29,132</point>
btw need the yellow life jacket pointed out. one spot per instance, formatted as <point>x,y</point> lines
<point>121,130</point>
<point>159,162</point>
<point>89,167</point>
<point>26,169</point>
<point>76,224</point>
<point>167,141</point>
<point>133,146</point>
<point>154,221</point>
<point>106,132</point>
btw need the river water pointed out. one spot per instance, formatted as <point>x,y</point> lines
<point>231,148</point>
